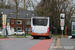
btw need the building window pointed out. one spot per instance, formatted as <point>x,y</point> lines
<point>73,27</point>
<point>28,22</point>
<point>8,20</point>
<point>12,21</point>
<point>19,22</point>
<point>19,28</point>
<point>28,29</point>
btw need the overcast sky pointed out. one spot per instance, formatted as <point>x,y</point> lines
<point>35,3</point>
<point>73,1</point>
<point>21,4</point>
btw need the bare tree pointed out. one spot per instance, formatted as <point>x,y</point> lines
<point>53,8</point>
<point>24,4</point>
<point>17,2</point>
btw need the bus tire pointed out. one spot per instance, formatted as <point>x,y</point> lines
<point>37,37</point>
<point>48,37</point>
<point>34,37</point>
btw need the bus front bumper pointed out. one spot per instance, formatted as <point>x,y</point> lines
<point>42,34</point>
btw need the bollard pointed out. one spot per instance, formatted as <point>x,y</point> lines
<point>57,45</point>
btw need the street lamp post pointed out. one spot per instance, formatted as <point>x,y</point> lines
<point>54,23</point>
<point>26,18</point>
<point>25,21</point>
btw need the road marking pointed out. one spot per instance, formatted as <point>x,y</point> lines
<point>7,39</point>
<point>42,45</point>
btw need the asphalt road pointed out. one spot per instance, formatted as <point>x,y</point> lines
<point>18,44</point>
<point>25,43</point>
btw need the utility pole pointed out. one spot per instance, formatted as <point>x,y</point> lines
<point>24,4</point>
<point>2,3</point>
<point>62,21</point>
<point>16,14</point>
<point>54,22</point>
<point>29,3</point>
<point>25,21</point>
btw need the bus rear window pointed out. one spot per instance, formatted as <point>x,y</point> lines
<point>40,22</point>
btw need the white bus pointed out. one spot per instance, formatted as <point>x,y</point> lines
<point>40,27</point>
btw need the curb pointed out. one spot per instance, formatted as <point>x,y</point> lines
<point>57,43</point>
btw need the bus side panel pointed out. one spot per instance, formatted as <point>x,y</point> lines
<point>36,34</point>
<point>73,28</point>
<point>73,33</point>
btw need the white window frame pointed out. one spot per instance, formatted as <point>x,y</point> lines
<point>28,29</point>
<point>19,27</point>
<point>12,21</point>
<point>28,22</point>
<point>19,21</point>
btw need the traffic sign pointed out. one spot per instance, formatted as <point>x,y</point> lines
<point>62,22</point>
<point>62,16</point>
<point>62,28</point>
<point>4,26</point>
<point>4,17</point>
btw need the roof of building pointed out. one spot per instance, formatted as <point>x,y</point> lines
<point>11,13</point>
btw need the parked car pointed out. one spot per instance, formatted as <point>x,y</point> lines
<point>19,32</point>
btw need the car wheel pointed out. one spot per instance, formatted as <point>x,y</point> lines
<point>22,34</point>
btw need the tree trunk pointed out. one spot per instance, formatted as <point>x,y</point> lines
<point>16,15</point>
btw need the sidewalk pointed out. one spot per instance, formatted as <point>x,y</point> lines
<point>66,44</point>
<point>53,43</point>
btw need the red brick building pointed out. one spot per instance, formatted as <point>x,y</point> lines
<point>11,18</point>
<point>20,24</point>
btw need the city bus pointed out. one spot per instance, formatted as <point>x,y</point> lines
<point>40,27</point>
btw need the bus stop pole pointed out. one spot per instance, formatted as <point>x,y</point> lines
<point>3,32</point>
<point>65,32</point>
<point>62,33</point>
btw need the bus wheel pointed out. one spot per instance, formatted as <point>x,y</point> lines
<point>48,37</point>
<point>34,37</point>
<point>37,37</point>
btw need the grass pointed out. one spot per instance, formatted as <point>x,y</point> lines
<point>28,34</point>
<point>14,35</point>
<point>3,37</point>
<point>20,36</point>
<point>55,35</point>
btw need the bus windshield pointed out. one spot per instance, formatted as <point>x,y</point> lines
<point>40,22</point>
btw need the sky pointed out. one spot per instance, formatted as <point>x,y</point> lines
<point>73,1</point>
<point>21,4</point>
